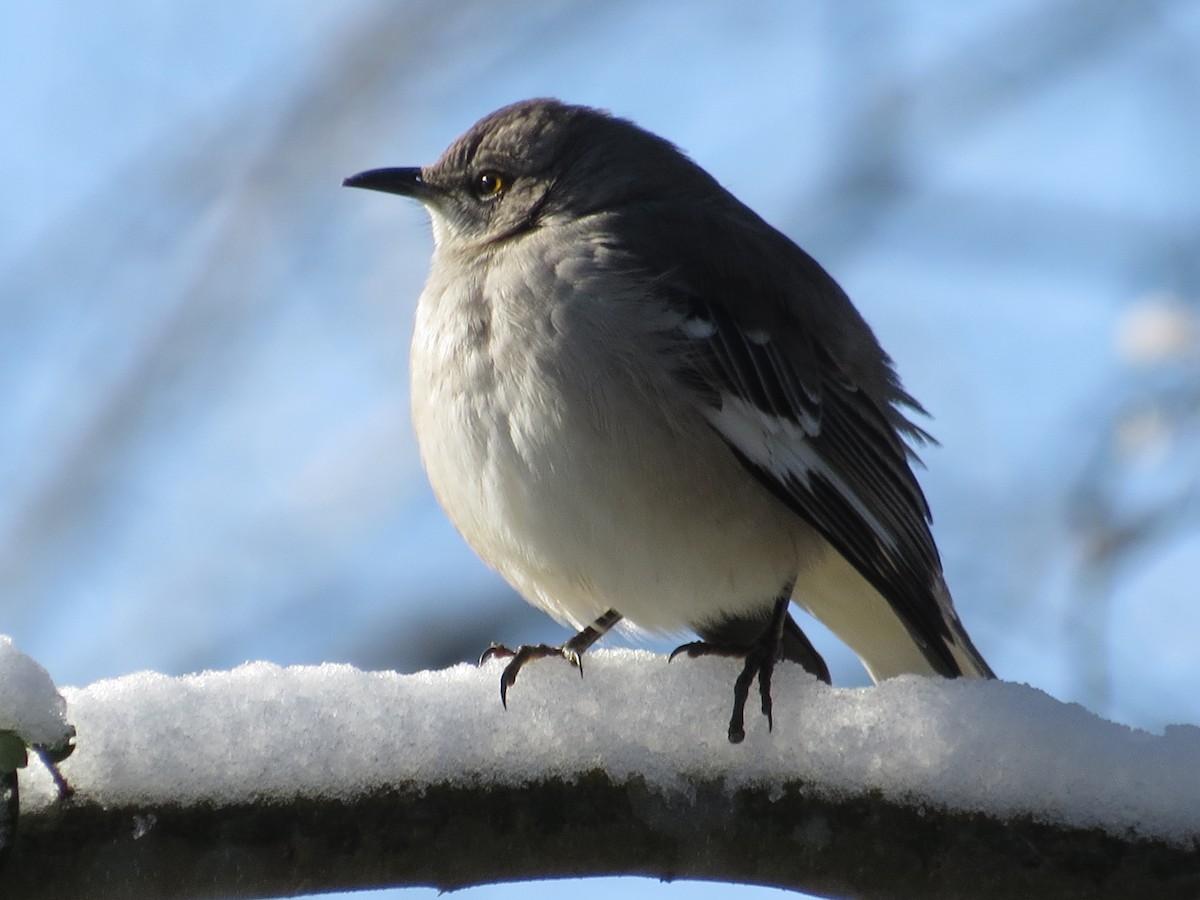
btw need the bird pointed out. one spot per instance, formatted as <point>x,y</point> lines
<point>638,401</point>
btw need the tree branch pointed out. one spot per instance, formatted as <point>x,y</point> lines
<point>454,836</point>
<point>272,782</point>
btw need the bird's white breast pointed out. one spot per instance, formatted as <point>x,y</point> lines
<point>555,443</point>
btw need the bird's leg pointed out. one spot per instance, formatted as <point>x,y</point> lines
<point>572,651</point>
<point>760,657</point>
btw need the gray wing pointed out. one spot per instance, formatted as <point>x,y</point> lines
<point>819,423</point>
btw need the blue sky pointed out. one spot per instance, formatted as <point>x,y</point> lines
<point>205,455</point>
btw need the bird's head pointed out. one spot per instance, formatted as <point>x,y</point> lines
<point>540,162</point>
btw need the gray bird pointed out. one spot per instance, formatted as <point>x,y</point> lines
<point>637,400</point>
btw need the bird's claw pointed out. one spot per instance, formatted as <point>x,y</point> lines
<point>694,649</point>
<point>760,660</point>
<point>523,654</point>
<point>495,651</point>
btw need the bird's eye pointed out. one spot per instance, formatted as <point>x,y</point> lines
<point>490,184</point>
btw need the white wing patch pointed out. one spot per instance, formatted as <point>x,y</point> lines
<point>783,448</point>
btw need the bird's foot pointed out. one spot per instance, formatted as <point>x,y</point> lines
<point>760,658</point>
<point>759,662</point>
<point>572,651</point>
<point>523,654</point>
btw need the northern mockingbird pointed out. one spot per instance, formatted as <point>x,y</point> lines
<point>637,400</point>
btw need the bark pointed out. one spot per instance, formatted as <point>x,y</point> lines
<point>452,836</point>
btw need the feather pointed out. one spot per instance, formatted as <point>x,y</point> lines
<point>820,424</point>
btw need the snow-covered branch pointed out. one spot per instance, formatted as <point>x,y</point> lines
<point>266,781</point>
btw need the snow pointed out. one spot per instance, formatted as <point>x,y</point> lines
<point>263,732</point>
<point>29,703</point>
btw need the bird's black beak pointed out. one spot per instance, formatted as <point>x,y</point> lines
<point>405,182</point>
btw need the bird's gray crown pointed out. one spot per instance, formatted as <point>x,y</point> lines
<point>542,160</point>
